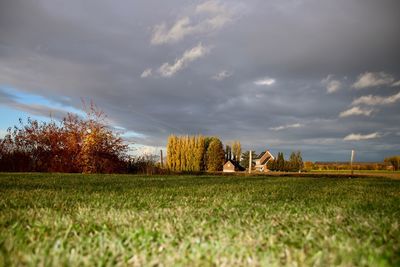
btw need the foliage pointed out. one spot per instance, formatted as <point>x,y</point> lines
<point>72,145</point>
<point>126,220</point>
<point>294,164</point>
<point>233,151</point>
<point>271,165</point>
<point>145,164</point>
<point>236,150</point>
<point>246,157</point>
<point>215,155</point>
<point>394,161</point>
<point>280,162</point>
<point>341,166</point>
<point>308,166</point>
<point>195,153</point>
<point>186,153</point>
<point>228,152</point>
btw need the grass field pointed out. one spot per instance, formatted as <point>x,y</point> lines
<point>118,220</point>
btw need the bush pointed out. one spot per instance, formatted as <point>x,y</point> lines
<point>72,145</point>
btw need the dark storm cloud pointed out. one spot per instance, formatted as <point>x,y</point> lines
<point>65,50</point>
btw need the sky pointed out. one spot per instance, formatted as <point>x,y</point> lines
<point>322,77</point>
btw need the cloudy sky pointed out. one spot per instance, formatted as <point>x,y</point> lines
<point>319,76</point>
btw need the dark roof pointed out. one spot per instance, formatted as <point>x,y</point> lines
<point>262,154</point>
<point>236,164</point>
<point>264,157</point>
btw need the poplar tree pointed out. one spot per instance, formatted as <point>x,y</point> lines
<point>189,153</point>
<point>199,153</point>
<point>182,153</point>
<point>177,154</point>
<point>170,153</point>
<point>215,155</point>
<point>237,150</point>
<point>299,160</point>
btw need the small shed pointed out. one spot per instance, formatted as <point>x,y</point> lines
<point>232,166</point>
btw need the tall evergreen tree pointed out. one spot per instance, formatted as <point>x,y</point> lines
<point>245,158</point>
<point>280,162</point>
<point>228,153</point>
<point>271,165</point>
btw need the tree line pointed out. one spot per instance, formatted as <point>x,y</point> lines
<point>195,153</point>
<point>394,161</point>
<point>87,145</point>
<point>294,164</point>
<point>233,151</point>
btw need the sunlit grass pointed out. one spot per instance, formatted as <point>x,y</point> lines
<point>117,220</point>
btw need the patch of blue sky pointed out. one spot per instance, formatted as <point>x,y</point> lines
<point>133,134</point>
<point>33,99</point>
<point>9,117</point>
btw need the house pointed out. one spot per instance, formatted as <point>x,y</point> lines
<point>262,161</point>
<point>232,166</point>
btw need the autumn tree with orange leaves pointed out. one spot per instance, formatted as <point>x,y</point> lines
<point>73,145</point>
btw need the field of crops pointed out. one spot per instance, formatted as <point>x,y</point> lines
<point>118,220</point>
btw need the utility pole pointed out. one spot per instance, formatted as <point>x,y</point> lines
<point>161,156</point>
<point>250,165</point>
<point>351,161</point>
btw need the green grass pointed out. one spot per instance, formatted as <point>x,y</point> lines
<point>118,220</point>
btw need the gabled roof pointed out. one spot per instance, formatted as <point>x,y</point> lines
<point>262,154</point>
<point>236,164</point>
<point>265,156</point>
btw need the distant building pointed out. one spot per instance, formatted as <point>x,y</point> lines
<point>232,166</point>
<point>262,161</point>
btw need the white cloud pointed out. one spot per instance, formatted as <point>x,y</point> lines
<point>372,79</point>
<point>359,137</point>
<point>141,150</point>
<point>356,111</point>
<point>168,70</point>
<point>222,75</point>
<point>372,100</point>
<point>210,7</point>
<point>331,84</point>
<point>146,73</point>
<point>396,83</point>
<point>287,126</point>
<point>265,81</point>
<point>218,16</point>
<point>178,31</point>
